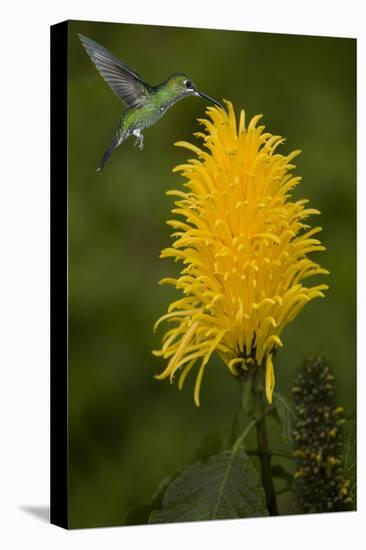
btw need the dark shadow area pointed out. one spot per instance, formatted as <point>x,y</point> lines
<point>40,512</point>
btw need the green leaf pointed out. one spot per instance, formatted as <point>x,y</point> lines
<point>157,499</point>
<point>226,486</point>
<point>211,444</point>
<point>140,514</point>
<point>286,416</point>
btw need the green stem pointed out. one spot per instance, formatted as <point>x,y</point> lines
<point>263,449</point>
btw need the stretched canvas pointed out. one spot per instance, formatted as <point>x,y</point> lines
<point>203,188</point>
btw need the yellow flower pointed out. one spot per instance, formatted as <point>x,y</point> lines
<point>244,246</point>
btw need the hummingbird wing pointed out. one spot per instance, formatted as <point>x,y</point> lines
<point>123,81</point>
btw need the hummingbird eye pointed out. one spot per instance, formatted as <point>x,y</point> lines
<point>188,84</point>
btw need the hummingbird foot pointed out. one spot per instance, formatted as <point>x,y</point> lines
<point>139,142</point>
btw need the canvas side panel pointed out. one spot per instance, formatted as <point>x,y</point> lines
<point>59,315</point>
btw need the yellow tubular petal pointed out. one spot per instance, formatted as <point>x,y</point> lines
<point>232,116</point>
<point>173,314</point>
<point>189,146</point>
<point>254,121</point>
<point>168,281</point>
<point>213,346</point>
<point>234,362</point>
<point>242,122</point>
<point>183,344</point>
<point>270,379</point>
<point>191,356</point>
<point>197,386</point>
<point>184,373</point>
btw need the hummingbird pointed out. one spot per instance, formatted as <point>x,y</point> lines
<point>145,104</point>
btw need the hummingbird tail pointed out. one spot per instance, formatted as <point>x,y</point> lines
<point>108,153</point>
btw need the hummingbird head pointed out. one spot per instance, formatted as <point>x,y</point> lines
<point>184,87</point>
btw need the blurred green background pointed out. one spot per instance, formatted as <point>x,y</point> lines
<point>128,431</point>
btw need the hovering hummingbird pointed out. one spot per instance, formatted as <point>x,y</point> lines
<point>145,104</point>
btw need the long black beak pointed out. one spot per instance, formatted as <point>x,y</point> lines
<point>205,96</point>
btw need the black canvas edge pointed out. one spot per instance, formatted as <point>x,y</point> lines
<point>59,268</point>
